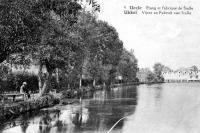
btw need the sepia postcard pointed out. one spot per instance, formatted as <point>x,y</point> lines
<point>99,66</point>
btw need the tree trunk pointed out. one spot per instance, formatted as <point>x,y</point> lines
<point>94,82</point>
<point>40,77</point>
<point>57,75</point>
<point>68,86</point>
<point>80,82</point>
<point>45,86</point>
<point>47,83</point>
<point>104,84</point>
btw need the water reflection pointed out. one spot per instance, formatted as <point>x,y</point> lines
<point>159,108</point>
<point>24,126</point>
<point>98,112</point>
<point>45,123</point>
<point>175,108</point>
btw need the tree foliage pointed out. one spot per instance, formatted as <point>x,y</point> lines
<point>99,46</point>
<point>158,69</point>
<point>128,66</point>
<point>38,29</point>
<point>58,35</point>
<point>19,27</point>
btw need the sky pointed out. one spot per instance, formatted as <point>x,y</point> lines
<point>173,40</point>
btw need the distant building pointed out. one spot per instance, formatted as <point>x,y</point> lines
<point>142,74</point>
<point>181,75</point>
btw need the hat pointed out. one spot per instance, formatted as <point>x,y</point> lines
<point>24,83</point>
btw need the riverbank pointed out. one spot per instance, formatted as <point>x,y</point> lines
<point>77,93</point>
<point>12,110</point>
<point>134,83</point>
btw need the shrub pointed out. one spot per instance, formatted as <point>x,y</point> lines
<point>15,80</point>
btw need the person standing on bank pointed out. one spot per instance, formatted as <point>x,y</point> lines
<point>24,90</point>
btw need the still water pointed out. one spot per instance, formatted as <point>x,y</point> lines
<point>158,108</point>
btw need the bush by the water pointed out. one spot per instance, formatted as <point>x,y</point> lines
<point>15,80</point>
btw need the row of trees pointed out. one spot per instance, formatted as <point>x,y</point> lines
<point>146,75</point>
<point>63,38</point>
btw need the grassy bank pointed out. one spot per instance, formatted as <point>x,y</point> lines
<point>11,110</point>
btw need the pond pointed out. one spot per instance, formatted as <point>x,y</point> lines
<point>157,108</point>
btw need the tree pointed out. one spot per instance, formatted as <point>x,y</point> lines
<point>151,77</point>
<point>55,19</point>
<point>107,49</point>
<point>19,27</point>
<point>22,22</point>
<point>57,40</point>
<point>95,71</point>
<point>53,34</point>
<point>100,45</point>
<point>4,70</point>
<point>128,66</point>
<point>158,68</point>
<point>43,31</point>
